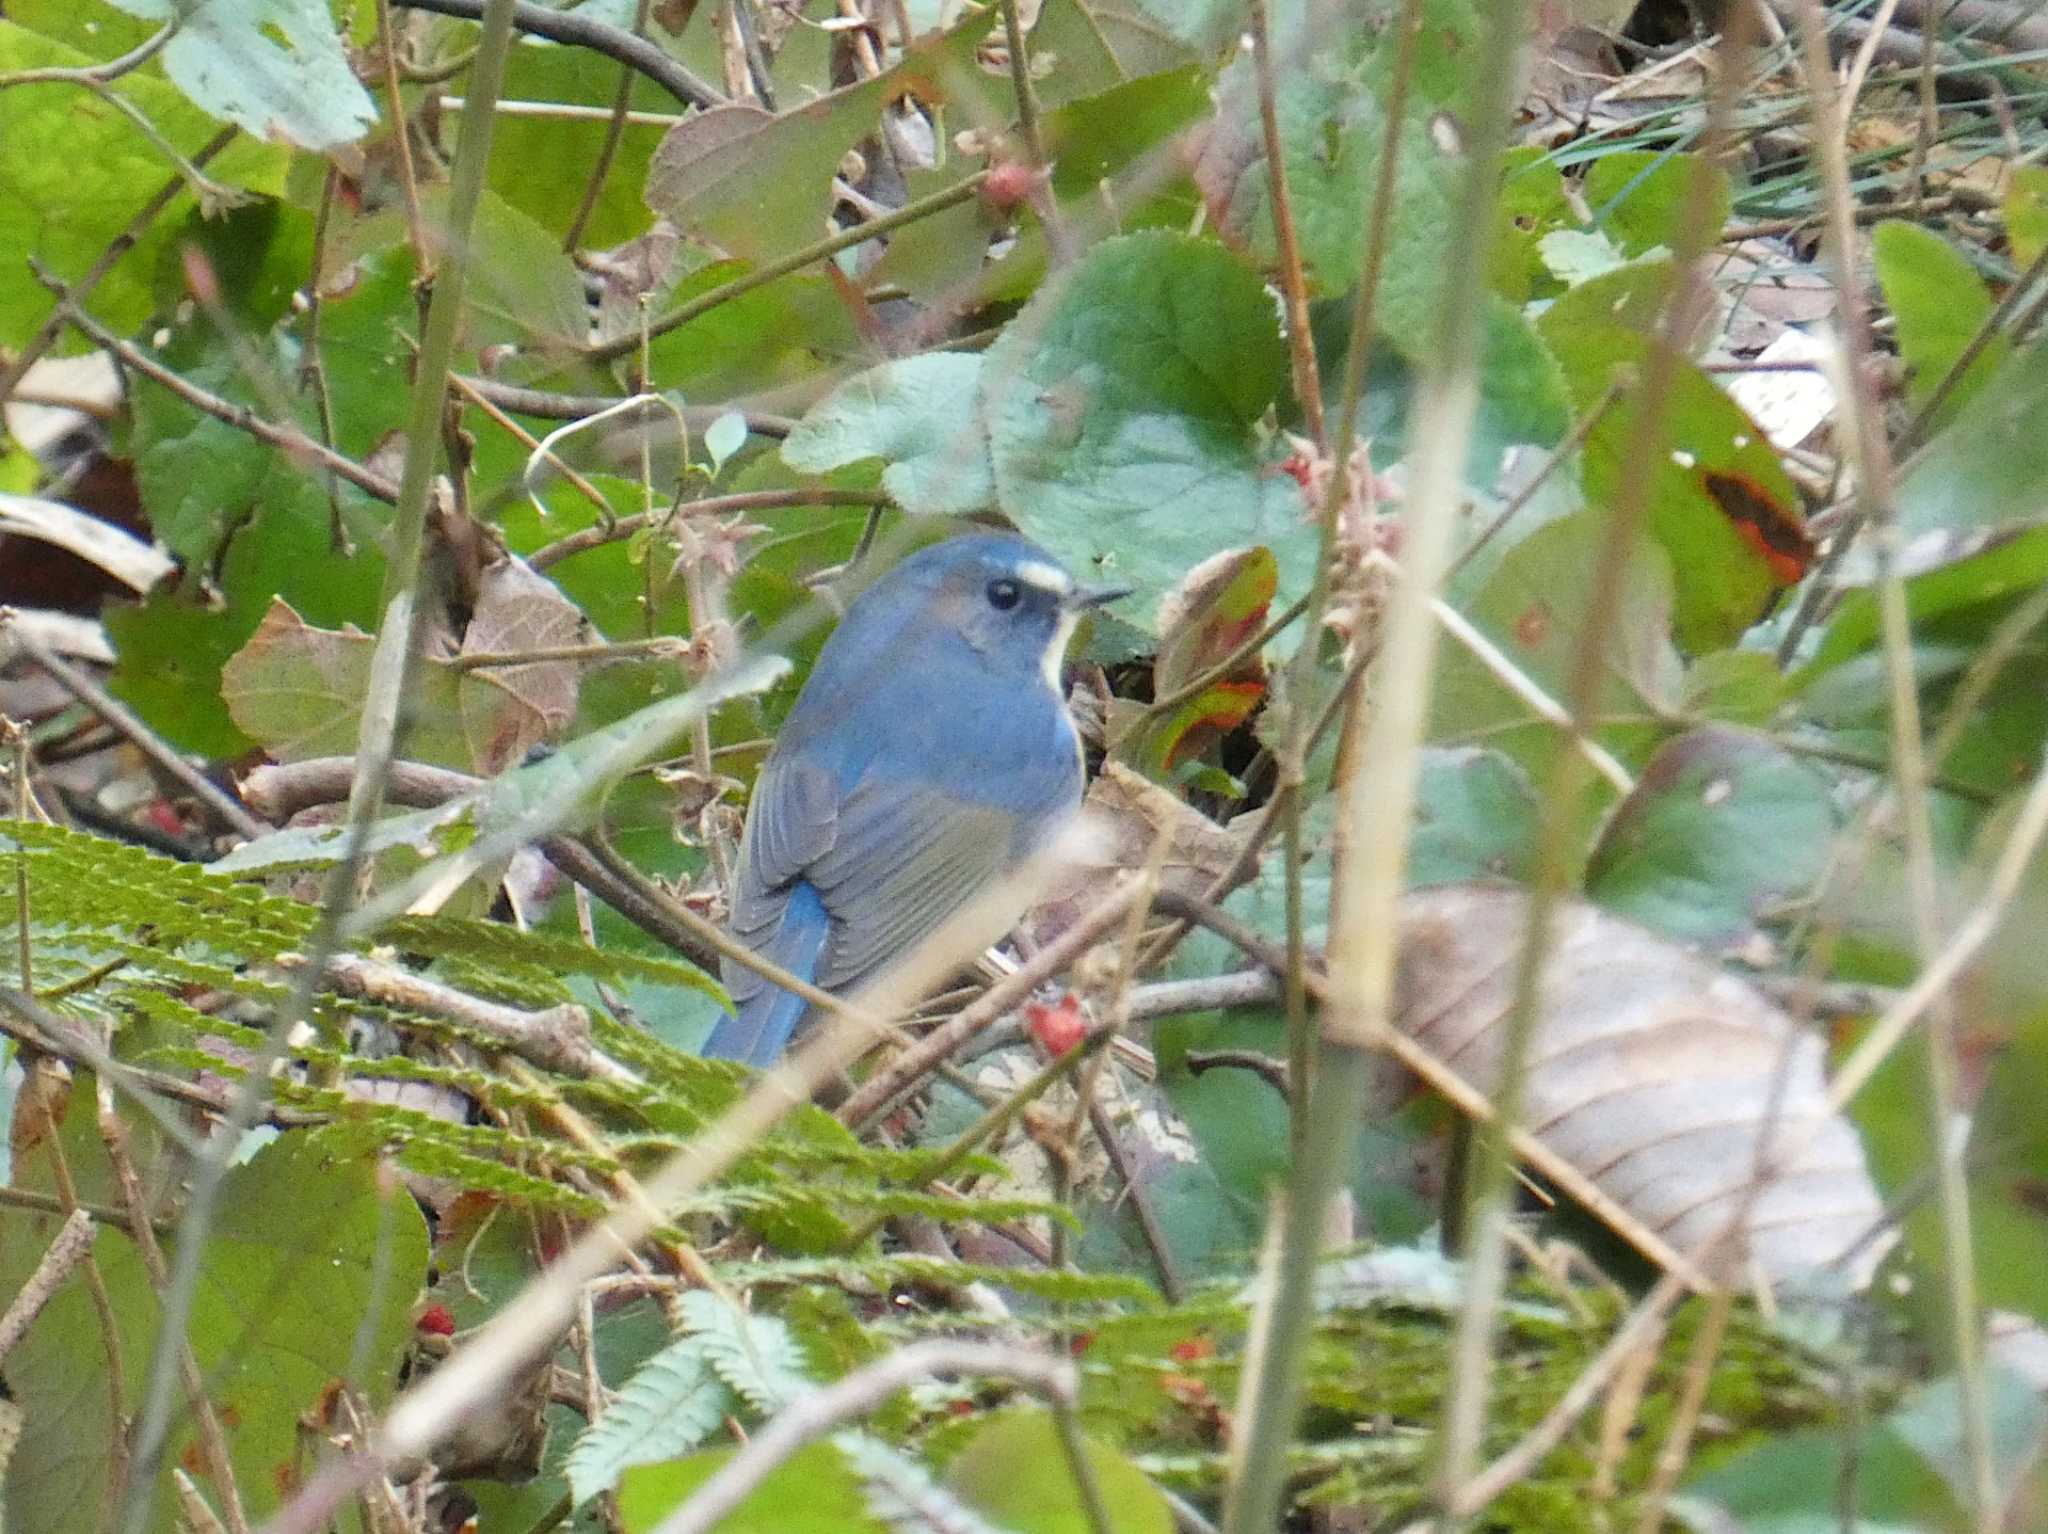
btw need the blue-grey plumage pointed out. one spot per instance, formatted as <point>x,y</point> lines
<point>929,751</point>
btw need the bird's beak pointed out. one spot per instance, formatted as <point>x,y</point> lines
<point>1085,598</point>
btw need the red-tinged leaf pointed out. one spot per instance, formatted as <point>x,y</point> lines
<point>1773,529</point>
<point>1218,606</point>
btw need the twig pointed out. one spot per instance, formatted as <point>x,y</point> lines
<point>1874,488</point>
<point>45,1203</point>
<point>856,1395</point>
<point>1170,1283</point>
<point>742,13</point>
<point>711,506</point>
<point>614,135</point>
<point>1699,1372</point>
<point>1271,1067</point>
<point>1284,810</point>
<point>555,1038</point>
<point>531,443</point>
<point>1867,213</point>
<point>587,32</point>
<point>913,1064</point>
<point>66,1250</point>
<point>288,438</point>
<point>783,266</point>
<point>1308,384</point>
<point>1574,439</point>
<point>146,740</point>
<point>397,643</point>
<point>95,74</point>
<point>1041,197</point>
<point>1172,998</point>
<point>401,134</point>
<point>551,406</point>
<point>282,791</point>
<point>998,1117</point>
<point>1489,1185</point>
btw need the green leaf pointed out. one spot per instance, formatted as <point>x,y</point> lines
<point>1120,408</point>
<point>1532,607</point>
<point>1720,828</point>
<point>2026,213</point>
<point>1015,1471</point>
<point>1642,198</point>
<point>310,1274</point>
<point>672,1403</point>
<point>299,691</point>
<point>1333,135</point>
<point>724,437</point>
<point>756,184</point>
<point>1093,139</point>
<point>1728,569</point>
<point>787,332</point>
<point>273,68</point>
<point>918,416</point>
<point>1735,687</point>
<point>815,1491</point>
<point>171,648</point>
<point>1940,304</point>
<point>1986,470</point>
<point>1929,1422</point>
<point>77,171</point>
<point>1475,818</point>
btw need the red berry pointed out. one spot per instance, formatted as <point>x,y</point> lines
<point>436,1321</point>
<point>1009,183</point>
<point>1058,1025</point>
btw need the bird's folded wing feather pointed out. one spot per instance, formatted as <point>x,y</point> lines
<point>792,822</point>
<point>906,857</point>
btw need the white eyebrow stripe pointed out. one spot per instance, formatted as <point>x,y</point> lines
<point>1036,572</point>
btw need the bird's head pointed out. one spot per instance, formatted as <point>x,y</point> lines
<point>1009,601</point>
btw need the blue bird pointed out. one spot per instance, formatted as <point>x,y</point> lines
<point>929,751</point>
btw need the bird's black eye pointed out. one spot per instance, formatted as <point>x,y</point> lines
<point>1003,595</point>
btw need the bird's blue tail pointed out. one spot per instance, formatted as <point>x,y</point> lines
<point>760,1031</point>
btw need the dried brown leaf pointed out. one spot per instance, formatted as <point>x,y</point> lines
<point>1670,1083</point>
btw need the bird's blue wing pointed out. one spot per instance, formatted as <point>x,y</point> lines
<point>907,857</point>
<point>792,822</point>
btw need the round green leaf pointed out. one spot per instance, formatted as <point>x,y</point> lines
<point>1016,1472</point>
<point>1120,408</point>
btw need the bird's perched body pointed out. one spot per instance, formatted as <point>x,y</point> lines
<point>929,751</point>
